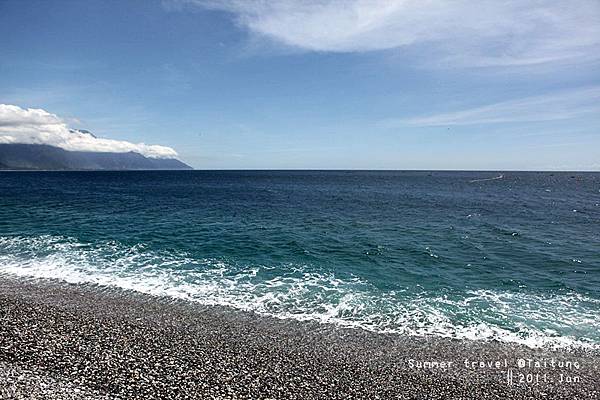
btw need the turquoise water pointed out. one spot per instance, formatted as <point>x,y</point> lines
<point>455,254</point>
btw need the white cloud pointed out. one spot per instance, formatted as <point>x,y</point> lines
<point>557,106</point>
<point>476,33</point>
<point>37,126</point>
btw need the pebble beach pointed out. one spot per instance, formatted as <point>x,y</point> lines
<point>60,341</point>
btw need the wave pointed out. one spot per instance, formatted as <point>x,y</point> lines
<point>303,292</point>
<point>487,179</point>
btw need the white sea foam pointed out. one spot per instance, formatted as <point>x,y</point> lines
<point>303,293</point>
<point>487,179</point>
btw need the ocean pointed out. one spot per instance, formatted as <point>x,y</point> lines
<point>506,256</point>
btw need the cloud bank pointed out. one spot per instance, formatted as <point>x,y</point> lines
<point>37,126</point>
<point>552,107</point>
<point>482,33</point>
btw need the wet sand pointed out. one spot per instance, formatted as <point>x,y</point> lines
<point>61,341</point>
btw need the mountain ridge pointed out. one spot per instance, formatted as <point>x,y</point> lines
<point>17,156</point>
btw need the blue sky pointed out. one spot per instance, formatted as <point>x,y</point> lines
<point>317,84</point>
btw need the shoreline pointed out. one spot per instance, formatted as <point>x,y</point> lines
<point>61,340</point>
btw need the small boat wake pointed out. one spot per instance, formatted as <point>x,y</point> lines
<point>487,179</point>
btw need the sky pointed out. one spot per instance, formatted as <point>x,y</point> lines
<point>314,84</point>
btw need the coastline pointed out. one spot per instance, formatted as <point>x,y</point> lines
<point>60,340</point>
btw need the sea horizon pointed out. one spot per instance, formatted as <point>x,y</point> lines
<point>293,200</point>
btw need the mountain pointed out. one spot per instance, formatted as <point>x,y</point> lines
<point>41,156</point>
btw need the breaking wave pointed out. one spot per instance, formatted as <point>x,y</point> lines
<point>303,292</point>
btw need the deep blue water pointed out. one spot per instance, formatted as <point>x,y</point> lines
<point>452,254</point>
